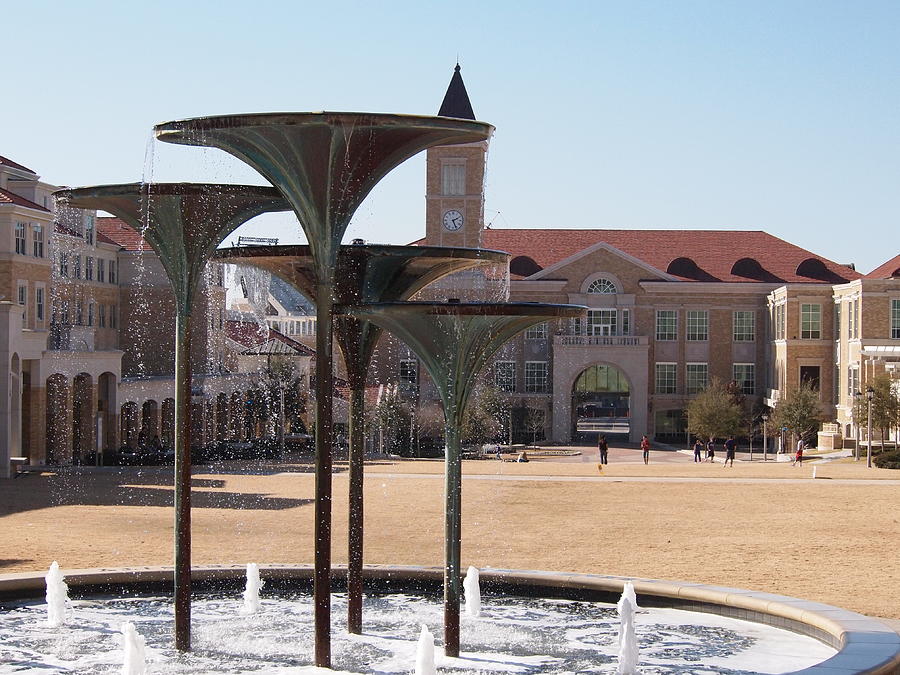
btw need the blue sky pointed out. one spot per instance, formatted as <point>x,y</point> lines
<point>782,116</point>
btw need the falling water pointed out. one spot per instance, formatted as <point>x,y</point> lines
<point>628,648</point>
<point>473,592</point>
<point>134,645</point>
<point>57,596</point>
<point>251,592</point>
<point>425,653</point>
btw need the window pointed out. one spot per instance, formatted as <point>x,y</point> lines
<point>696,377</point>
<point>505,375</point>
<point>895,319</point>
<point>409,374</point>
<point>101,316</point>
<point>536,377</point>
<point>744,376</point>
<point>779,322</point>
<point>538,332</point>
<point>112,271</point>
<point>809,375</point>
<point>666,324</point>
<point>665,378</point>
<point>89,268</point>
<point>39,303</point>
<point>744,329</point>
<point>23,294</point>
<point>79,314</point>
<point>20,238</point>
<point>626,322</point>
<point>810,322</point>
<point>64,264</point>
<point>89,229</point>
<point>601,322</point>
<point>576,326</point>
<point>697,325</point>
<point>77,266</point>
<point>90,317</point>
<point>453,179</point>
<point>852,380</point>
<point>837,321</point>
<point>101,269</point>
<point>37,236</point>
<point>603,286</point>
<point>112,316</point>
<point>64,312</point>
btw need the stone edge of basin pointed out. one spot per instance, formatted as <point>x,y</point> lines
<point>864,645</point>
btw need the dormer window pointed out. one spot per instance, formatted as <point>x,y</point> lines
<point>602,286</point>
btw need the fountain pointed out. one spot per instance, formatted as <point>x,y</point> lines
<point>251,591</point>
<point>473,592</point>
<point>57,596</point>
<point>628,646</point>
<point>425,653</point>
<point>134,646</point>
<point>185,223</point>
<point>324,164</point>
<point>363,274</point>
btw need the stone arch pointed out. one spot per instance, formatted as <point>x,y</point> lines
<point>129,422</point>
<point>58,419</point>
<point>601,402</point>
<point>83,412</point>
<point>167,423</point>
<point>15,406</point>
<point>149,422</point>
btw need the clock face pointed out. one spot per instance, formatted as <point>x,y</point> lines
<point>453,220</point>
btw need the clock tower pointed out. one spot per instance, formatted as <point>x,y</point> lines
<point>454,183</point>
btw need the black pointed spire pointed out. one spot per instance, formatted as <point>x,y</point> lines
<point>456,100</point>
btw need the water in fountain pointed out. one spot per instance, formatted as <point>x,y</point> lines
<point>251,592</point>
<point>425,653</point>
<point>473,592</point>
<point>133,643</point>
<point>628,592</point>
<point>628,647</point>
<point>57,596</point>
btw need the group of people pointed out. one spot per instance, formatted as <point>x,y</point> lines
<point>730,448</point>
<point>603,448</point>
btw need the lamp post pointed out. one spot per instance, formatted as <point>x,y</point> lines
<point>856,396</point>
<point>870,394</point>
<point>765,419</point>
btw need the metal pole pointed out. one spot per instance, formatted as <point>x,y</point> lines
<point>355,533</point>
<point>452,535</point>
<point>765,443</point>
<point>869,393</point>
<point>183,482</point>
<point>856,423</point>
<point>322,525</point>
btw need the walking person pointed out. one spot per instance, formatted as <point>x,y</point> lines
<point>730,446</point>
<point>711,450</point>
<point>798,458</point>
<point>698,450</point>
<point>603,447</point>
<point>645,449</point>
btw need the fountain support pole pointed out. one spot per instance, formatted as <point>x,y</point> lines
<point>454,341</point>
<point>362,273</point>
<point>183,481</point>
<point>185,222</point>
<point>324,413</point>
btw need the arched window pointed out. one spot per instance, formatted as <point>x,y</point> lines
<point>602,286</point>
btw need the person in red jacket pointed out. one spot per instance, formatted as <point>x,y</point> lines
<point>645,449</point>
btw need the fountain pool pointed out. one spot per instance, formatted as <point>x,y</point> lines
<point>530,622</point>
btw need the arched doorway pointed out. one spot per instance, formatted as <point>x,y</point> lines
<point>83,416</point>
<point>128,420</point>
<point>59,419</point>
<point>600,403</point>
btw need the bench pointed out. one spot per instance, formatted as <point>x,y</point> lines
<point>14,464</point>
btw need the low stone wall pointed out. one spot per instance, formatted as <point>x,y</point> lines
<point>864,645</point>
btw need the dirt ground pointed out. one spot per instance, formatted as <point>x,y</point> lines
<point>759,526</point>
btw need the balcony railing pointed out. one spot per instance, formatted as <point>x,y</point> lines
<point>600,340</point>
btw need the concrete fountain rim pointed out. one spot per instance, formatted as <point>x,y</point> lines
<point>863,644</point>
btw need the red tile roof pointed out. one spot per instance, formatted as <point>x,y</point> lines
<point>106,240</point>
<point>117,232</point>
<point>7,197</point>
<point>888,270</point>
<point>14,165</point>
<point>250,334</point>
<point>713,252</point>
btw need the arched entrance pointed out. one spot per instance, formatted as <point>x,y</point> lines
<point>600,403</point>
